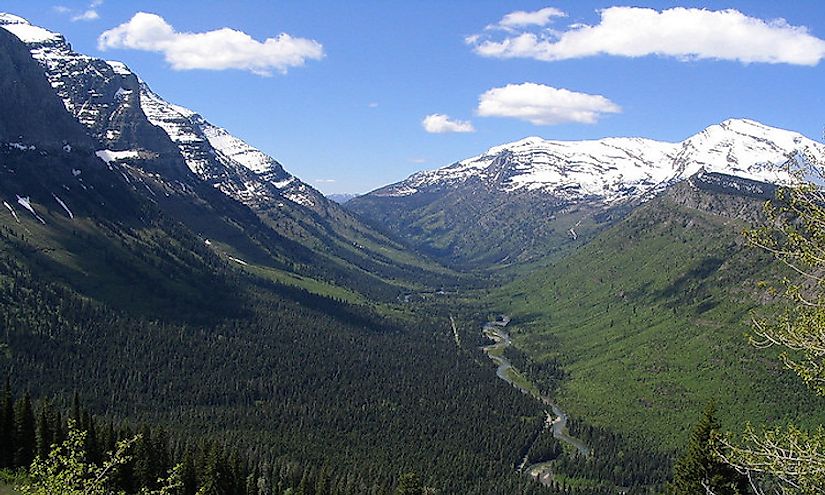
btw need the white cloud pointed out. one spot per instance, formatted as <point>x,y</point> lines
<point>439,123</point>
<point>373,104</point>
<point>682,33</point>
<point>418,160</point>
<point>544,105</point>
<point>324,181</point>
<point>521,18</point>
<point>88,15</point>
<point>220,49</point>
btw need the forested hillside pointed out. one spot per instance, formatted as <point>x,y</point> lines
<point>649,321</point>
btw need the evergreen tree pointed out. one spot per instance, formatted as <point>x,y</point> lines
<point>44,436</point>
<point>189,476</point>
<point>66,471</point>
<point>700,470</point>
<point>24,434</point>
<point>6,427</point>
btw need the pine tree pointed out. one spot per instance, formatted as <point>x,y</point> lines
<point>6,427</point>
<point>24,434</point>
<point>700,469</point>
<point>189,476</point>
<point>44,435</point>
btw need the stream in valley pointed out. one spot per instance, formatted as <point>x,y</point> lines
<point>556,417</point>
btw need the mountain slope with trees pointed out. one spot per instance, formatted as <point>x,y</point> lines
<point>648,320</point>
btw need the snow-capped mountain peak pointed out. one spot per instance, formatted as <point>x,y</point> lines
<point>748,149</point>
<point>26,32</point>
<point>616,169</point>
<point>118,107</point>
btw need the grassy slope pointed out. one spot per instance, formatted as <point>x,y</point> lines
<point>650,319</point>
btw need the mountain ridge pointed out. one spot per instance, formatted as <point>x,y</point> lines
<point>210,152</point>
<point>631,165</point>
<point>525,200</point>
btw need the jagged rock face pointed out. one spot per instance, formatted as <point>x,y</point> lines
<point>122,113</point>
<point>32,115</point>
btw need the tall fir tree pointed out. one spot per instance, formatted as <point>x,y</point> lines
<point>700,470</point>
<point>7,427</point>
<point>24,434</point>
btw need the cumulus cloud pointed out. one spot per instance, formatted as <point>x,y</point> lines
<point>88,15</point>
<point>522,18</point>
<point>438,123</point>
<point>220,49</point>
<point>682,33</point>
<point>544,105</point>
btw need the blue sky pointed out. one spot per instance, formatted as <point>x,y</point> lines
<point>351,119</point>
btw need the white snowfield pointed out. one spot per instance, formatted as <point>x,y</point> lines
<point>26,32</point>
<point>237,149</point>
<point>614,169</point>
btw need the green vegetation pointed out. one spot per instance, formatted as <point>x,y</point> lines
<point>700,470</point>
<point>475,228</point>
<point>789,459</point>
<point>647,320</point>
<point>210,352</point>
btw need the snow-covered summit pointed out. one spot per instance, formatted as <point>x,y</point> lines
<point>615,169</point>
<point>746,148</point>
<point>28,33</point>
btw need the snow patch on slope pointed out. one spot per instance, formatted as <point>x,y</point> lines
<point>110,156</point>
<point>237,149</point>
<point>66,208</point>
<point>13,213</point>
<point>119,68</point>
<point>25,202</point>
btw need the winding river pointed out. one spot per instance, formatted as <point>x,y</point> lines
<point>556,418</point>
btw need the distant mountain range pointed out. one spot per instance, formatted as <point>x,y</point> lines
<point>522,200</point>
<point>341,198</point>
